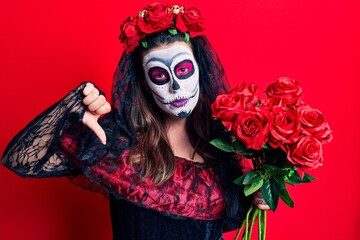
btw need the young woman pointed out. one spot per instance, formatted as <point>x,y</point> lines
<point>149,153</point>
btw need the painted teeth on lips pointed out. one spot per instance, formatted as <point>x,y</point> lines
<point>179,102</point>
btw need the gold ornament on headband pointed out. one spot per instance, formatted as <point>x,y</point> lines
<point>176,9</point>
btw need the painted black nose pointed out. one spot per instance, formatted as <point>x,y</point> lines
<point>175,85</point>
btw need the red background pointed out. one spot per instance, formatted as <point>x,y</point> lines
<point>49,47</point>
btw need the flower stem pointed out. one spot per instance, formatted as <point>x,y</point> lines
<point>260,224</point>
<point>247,224</point>
<point>264,226</point>
<point>253,219</point>
<point>239,231</point>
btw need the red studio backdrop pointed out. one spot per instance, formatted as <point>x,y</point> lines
<point>49,47</point>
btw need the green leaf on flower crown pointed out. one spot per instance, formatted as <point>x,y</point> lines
<point>265,146</point>
<point>187,37</point>
<point>172,31</point>
<point>144,44</point>
<point>240,147</point>
<point>222,144</point>
<point>270,193</point>
<point>284,195</point>
<point>250,189</point>
<point>251,177</point>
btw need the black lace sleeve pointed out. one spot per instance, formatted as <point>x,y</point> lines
<point>35,151</point>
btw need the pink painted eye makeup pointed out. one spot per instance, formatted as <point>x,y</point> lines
<point>158,75</point>
<point>172,75</point>
<point>184,69</point>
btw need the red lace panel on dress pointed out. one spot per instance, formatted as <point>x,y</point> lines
<point>191,192</point>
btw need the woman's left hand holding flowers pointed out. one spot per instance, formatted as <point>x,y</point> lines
<point>259,201</point>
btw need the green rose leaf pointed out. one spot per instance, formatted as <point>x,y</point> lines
<point>222,144</point>
<point>285,196</point>
<point>271,170</point>
<point>308,178</point>
<point>240,147</point>
<point>250,189</point>
<point>296,179</point>
<point>251,177</point>
<point>270,193</point>
<point>239,180</point>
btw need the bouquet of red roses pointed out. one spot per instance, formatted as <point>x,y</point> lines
<point>280,136</point>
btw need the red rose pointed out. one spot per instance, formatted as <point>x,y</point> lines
<point>226,108</point>
<point>285,91</point>
<point>307,153</point>
<point>247,94</point>
<point>193,19</point>
<point>156,18</point>
<point>129,35</point>
<point>325,134</point>
<point>313,123</point>
<point>252,127</point>
<point>285,126</point>
<point>245,163</point>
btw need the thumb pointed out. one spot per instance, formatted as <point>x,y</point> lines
<point>90,120</point>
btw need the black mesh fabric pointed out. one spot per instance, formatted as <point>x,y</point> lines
<point>34,151</point>
<point>37,151</point>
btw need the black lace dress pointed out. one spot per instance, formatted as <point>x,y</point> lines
<point>196,203</point>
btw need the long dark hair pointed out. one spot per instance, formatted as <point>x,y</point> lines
<point>152,151</point>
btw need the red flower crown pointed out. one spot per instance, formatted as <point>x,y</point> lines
<point>156,18</point>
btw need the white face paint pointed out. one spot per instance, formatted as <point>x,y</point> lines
<point>173,77</point>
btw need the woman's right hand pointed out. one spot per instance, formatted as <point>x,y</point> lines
<point>97,105</point>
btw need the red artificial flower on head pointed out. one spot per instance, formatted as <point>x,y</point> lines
<point>285,126</point>
<point>307,153</point>
<point>285,91</point>
<point>313,123</point>
<point>179,23</point>
<point>193,19</point>
<point>251,127</point>
<point>130,33</point>
<point>156,18</point>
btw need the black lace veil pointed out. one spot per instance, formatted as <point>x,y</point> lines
<point>213,81</point>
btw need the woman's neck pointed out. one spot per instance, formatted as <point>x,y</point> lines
<point>179,140</point>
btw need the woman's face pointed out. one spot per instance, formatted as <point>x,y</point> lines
<point>172,75</point>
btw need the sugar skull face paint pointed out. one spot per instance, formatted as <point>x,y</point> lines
<point>172,75</point>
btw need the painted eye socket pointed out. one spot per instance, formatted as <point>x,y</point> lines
<point>158,75</point>
<point>184,69</point>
